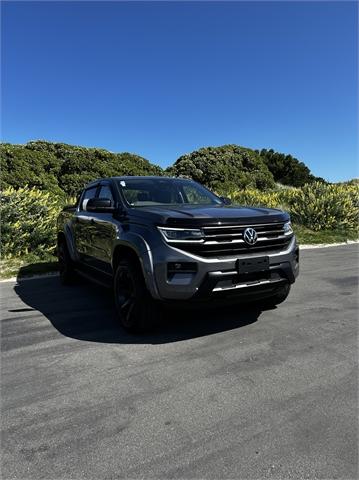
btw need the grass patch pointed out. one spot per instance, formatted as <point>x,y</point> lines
<point>27,266</point>
<point>306,236</point>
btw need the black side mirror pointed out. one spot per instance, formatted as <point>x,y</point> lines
<point>100,205</point>
<point>226,201</point>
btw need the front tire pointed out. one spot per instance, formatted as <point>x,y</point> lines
<point>136,309</point>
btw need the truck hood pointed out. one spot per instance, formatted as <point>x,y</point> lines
<point>195,215</point>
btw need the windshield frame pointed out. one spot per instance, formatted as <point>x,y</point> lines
<point>217,201</point>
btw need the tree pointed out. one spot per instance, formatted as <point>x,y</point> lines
<point>287,169</point>
<point>62,168</point>
<point>224,168</point>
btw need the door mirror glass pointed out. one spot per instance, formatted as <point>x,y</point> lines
<point>100,205</point>
<point>89,193</point>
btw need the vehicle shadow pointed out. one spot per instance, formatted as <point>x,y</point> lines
<point>86,312</point>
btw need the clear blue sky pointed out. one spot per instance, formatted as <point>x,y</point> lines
<point>162,79</point>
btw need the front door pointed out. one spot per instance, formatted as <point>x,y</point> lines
<point>105,232</point>
<point>84,227</point>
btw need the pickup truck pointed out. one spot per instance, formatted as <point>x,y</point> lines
<point>161,239</point>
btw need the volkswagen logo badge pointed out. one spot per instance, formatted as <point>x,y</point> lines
<point>250,236</point>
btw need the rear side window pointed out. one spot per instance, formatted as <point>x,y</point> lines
<point>89,193</point>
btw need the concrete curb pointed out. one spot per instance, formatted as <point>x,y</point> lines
<point>302,247</point>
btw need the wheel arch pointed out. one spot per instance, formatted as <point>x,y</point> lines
<point>124,251</point>
<point>144,261</point>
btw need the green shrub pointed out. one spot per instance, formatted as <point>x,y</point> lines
<point>21,166</point>
<point>321,206</point>
<point>256,198</point>
<point>28,220</point>
<point>317,205</point>
<point>65,169</point>
<point>224,168</point>
<point>286,169</point>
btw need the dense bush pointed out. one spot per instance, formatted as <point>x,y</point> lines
<point>256,198</point>
<point>224,168</point>
<point>61,168</point>
<point>28,218</point>
<point>286,169</point>
<point>64,169</point>
<point>21,166</point>
<point>317,206</point>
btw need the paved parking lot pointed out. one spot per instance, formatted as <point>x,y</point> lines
<point>215,394</point>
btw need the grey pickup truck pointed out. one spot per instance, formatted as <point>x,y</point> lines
<point>160,239</point>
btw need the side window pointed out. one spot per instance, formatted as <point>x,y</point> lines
<point>105,192</point>
<point>89,193</point>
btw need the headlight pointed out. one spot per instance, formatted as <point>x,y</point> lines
<point>288,228</point>
<point>182,234</point>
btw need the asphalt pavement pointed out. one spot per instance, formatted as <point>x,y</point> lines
<point>218,394</point>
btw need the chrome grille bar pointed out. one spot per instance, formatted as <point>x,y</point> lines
<point>227,240</point>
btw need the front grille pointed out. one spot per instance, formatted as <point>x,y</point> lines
<point>227,241</point>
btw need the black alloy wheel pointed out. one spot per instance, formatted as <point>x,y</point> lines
<point>136,310</point>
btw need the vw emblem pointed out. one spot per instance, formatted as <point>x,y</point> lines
<point>250,236</point>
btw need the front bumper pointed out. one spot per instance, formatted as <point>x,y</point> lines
<point>218,278</point>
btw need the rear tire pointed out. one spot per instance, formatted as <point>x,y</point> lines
<point>136,310</point>
<point>279,297</point>
<point>66,266</point>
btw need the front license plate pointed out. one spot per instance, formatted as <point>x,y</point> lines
<point>254,264</point>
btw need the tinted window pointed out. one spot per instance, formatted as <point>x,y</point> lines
<point>165,191</point>
<point>105,192</point>
<point>194,195</point>
<point>89,193</point>
<point>143,193</point>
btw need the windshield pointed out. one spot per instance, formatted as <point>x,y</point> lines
<point>165,191</point>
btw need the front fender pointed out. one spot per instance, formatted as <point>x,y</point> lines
<point>141,248</point>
